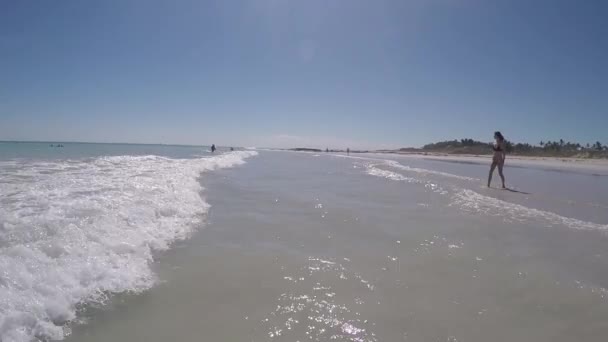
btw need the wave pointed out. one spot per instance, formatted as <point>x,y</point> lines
<point>397,165</point>
<point>471,201</point>
<point>373,170</point>
<point>400,166</point>
<point>74,232</point>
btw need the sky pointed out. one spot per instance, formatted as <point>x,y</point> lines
<point>351,73</point>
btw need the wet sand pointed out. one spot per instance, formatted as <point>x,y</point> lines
<point>314,247</point>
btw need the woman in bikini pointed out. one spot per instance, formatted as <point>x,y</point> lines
<point>499,158</point>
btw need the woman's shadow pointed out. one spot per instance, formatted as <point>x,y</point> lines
<point>517,191</point>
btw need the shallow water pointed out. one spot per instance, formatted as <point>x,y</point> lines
<point>312,247</point>
<point>74,229</point>
<point>323,247</point>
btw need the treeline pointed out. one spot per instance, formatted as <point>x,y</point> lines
<point>559,148</point>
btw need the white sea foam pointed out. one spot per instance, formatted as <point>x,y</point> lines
<point>472,201</point>
<point>400,166</point>
<point>374,171</point>
<point>397,165</point>
<point>475,202</point>
<point>72,232</point>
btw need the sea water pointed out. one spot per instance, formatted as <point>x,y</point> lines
<point>327,247</point>
<point>300,247</point>
<point>81,222</point>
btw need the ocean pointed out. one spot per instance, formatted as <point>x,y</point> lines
<point>110,242</point>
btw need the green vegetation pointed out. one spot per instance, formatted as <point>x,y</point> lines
<point>546,149</point>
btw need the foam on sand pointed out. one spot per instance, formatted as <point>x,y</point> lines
<point>73,232</point>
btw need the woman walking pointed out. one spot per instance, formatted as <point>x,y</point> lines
<point>499,157</point>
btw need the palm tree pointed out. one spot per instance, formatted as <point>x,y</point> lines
<point>598,145</point>
<point>588,145</point>
<point>561,142</point>
<point>541,143</point>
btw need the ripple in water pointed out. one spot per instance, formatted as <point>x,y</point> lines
<point>315,309</point>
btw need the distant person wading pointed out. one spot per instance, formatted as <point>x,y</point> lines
<point>213,148</point>
<point>499,157</point>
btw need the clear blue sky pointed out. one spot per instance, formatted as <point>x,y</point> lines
<point>360,73</point>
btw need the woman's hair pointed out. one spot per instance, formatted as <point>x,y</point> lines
<point>498,135</point>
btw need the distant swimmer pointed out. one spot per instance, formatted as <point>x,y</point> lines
<point>347,151</point>
<point>213,148</point>
<point>232,149</point>
<point>498,159</point>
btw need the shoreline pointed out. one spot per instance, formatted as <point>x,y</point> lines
<point>592,165</point>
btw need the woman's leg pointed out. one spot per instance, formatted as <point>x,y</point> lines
<point>491,172</point>
<point>502,177</point>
